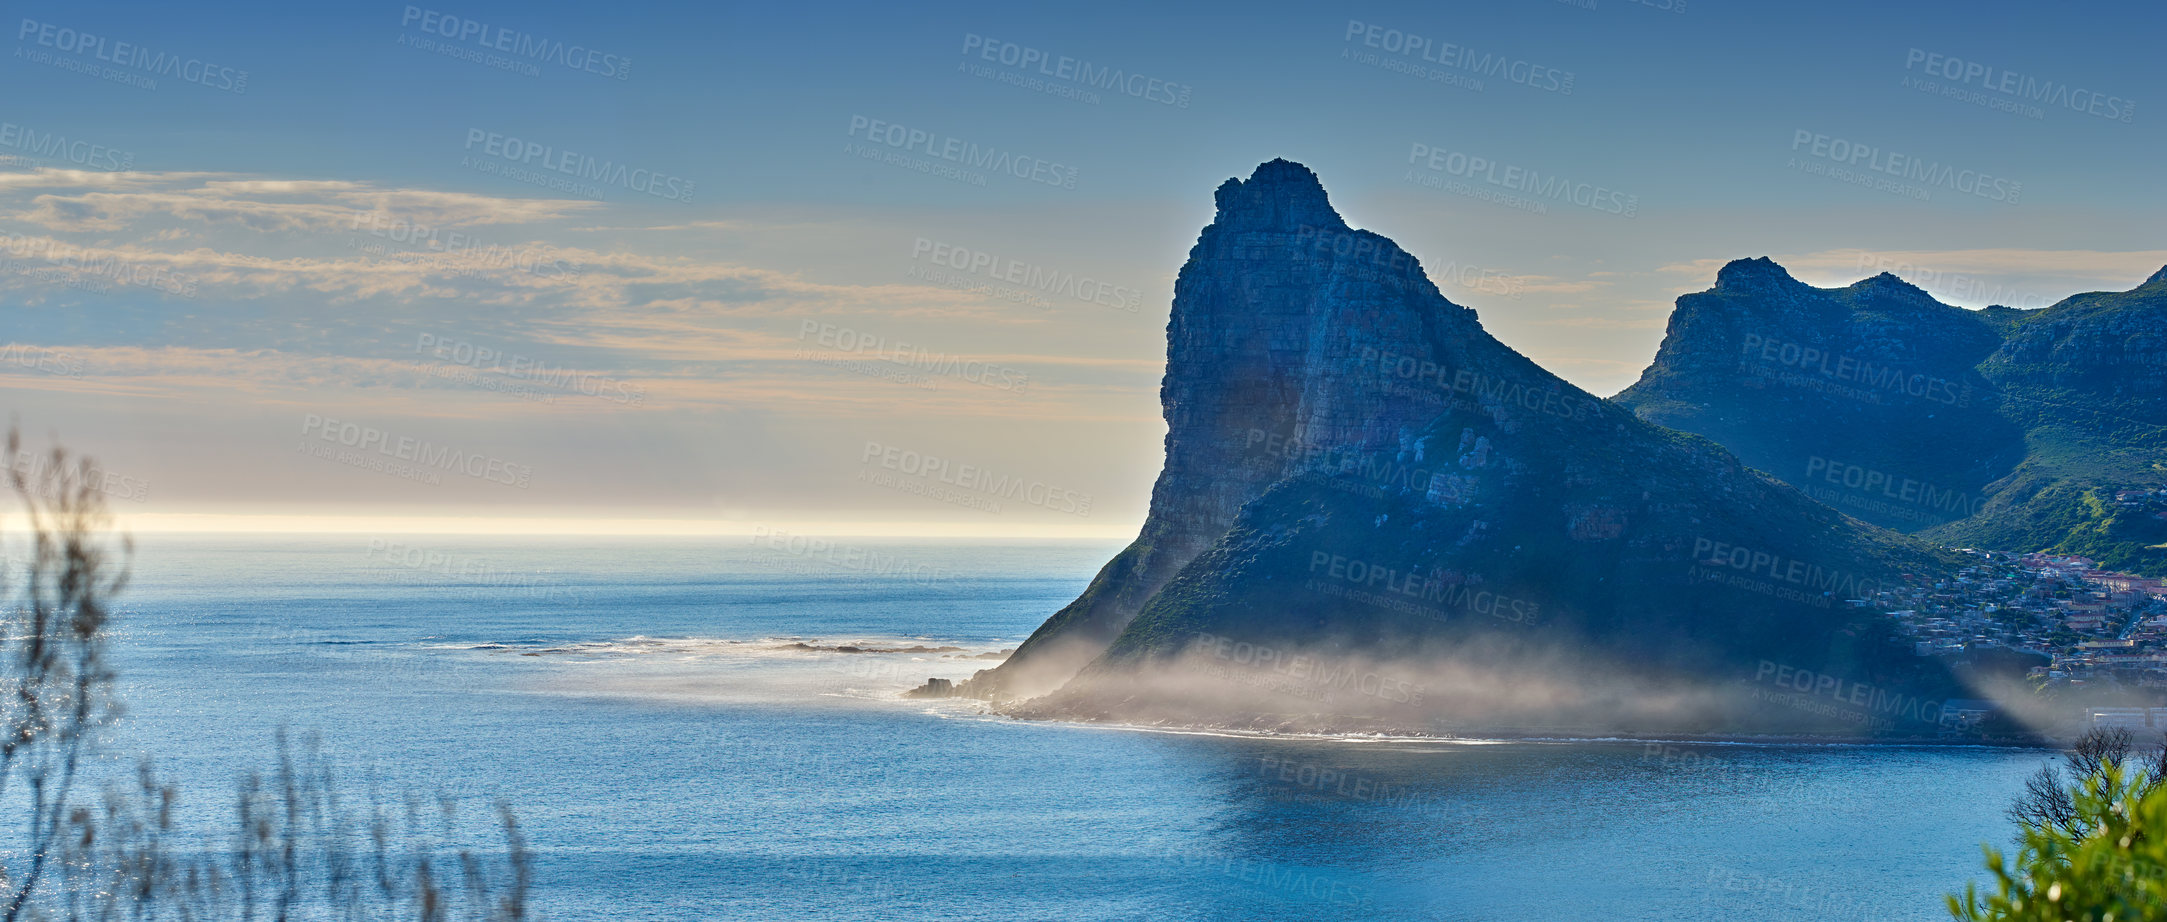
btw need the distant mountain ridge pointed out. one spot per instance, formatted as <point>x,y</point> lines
<point>2003,428</point>
<point>1357,473</point>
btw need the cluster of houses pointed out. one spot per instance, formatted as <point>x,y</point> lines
<point>2088,624</point>
<point>2151,500</point>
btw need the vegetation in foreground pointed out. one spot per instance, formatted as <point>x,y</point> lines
<point>2092,847</point>
<point>77,848</point>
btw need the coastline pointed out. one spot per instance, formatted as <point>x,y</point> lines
<point>1399,735</point>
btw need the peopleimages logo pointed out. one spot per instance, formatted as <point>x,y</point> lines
<point>1949,285</point>
<point>1375,259</point>
<point>1521,180</point>
<point>522,46</point>
<point>1866,480</point>
<point>1311,674</point>
<point>1929,173</point>
<point>941,472</point>
<point>1028,275</point>
<point>850,341</point>
<point>34,466</point>
<point>476,577</point>
<point>873,560</point>
<point>966,153</point>
<point>90,269</point>
<point>2020,87</point>
<point>1755,562</point>
<point>1455,57</point>
<point>527,368</point>
<point>1491,390</point>
<point>133,57</point>
<point>1877,701</point>
<point>1874,378</point>
<point>1411,583</point>
<point>1076,71</point>
<point>417,455</point>
<point>582,166</point>
<point>462,248</point>
<point>39,358</point>
<point>58,147</point>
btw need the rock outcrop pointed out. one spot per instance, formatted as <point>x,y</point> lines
<point>1359,477</point>
<point>1284,316</point>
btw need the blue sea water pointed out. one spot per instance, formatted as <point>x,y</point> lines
<point>672,756</point>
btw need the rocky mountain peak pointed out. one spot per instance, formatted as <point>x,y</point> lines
<point>2160,276</point>
<point>1294,341</point>
<point>1890,281</point>
<point>1326,404</point>
<point>1890,288</point>
<point>1760,272</point>
<point>1279,195</point>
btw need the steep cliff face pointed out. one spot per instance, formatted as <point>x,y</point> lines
<point>1282,317</point>
<point>1356,470</point>
<point>1999,427</point>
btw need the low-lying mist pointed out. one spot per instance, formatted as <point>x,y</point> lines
<point>1494,684</point>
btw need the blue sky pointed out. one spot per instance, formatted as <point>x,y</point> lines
<point>205,263</point>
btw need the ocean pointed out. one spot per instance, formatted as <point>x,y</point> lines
<point>680,740</point>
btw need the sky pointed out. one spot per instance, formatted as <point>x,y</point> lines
<point>732,268</point>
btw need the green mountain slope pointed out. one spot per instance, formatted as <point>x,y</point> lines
<point>1998,428</point>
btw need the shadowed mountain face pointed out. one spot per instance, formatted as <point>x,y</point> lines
<point>1373,511</point>
<point>2000,428</point>
<point>1283,317</point>
<point>1844,392</point>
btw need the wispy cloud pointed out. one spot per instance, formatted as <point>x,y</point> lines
<point>352,241</point>
<point>103,202</point>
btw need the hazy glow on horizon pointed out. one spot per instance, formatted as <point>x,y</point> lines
<point>284,523</point>
<point>762,328</point>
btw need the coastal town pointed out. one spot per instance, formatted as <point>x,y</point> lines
<point>2085,626</point>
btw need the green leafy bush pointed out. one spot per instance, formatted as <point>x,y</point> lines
<point>2094,851</point>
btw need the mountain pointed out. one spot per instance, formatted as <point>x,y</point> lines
<point>1999,428</point>
<point>1843,370</point>
<point>1372,513</point>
